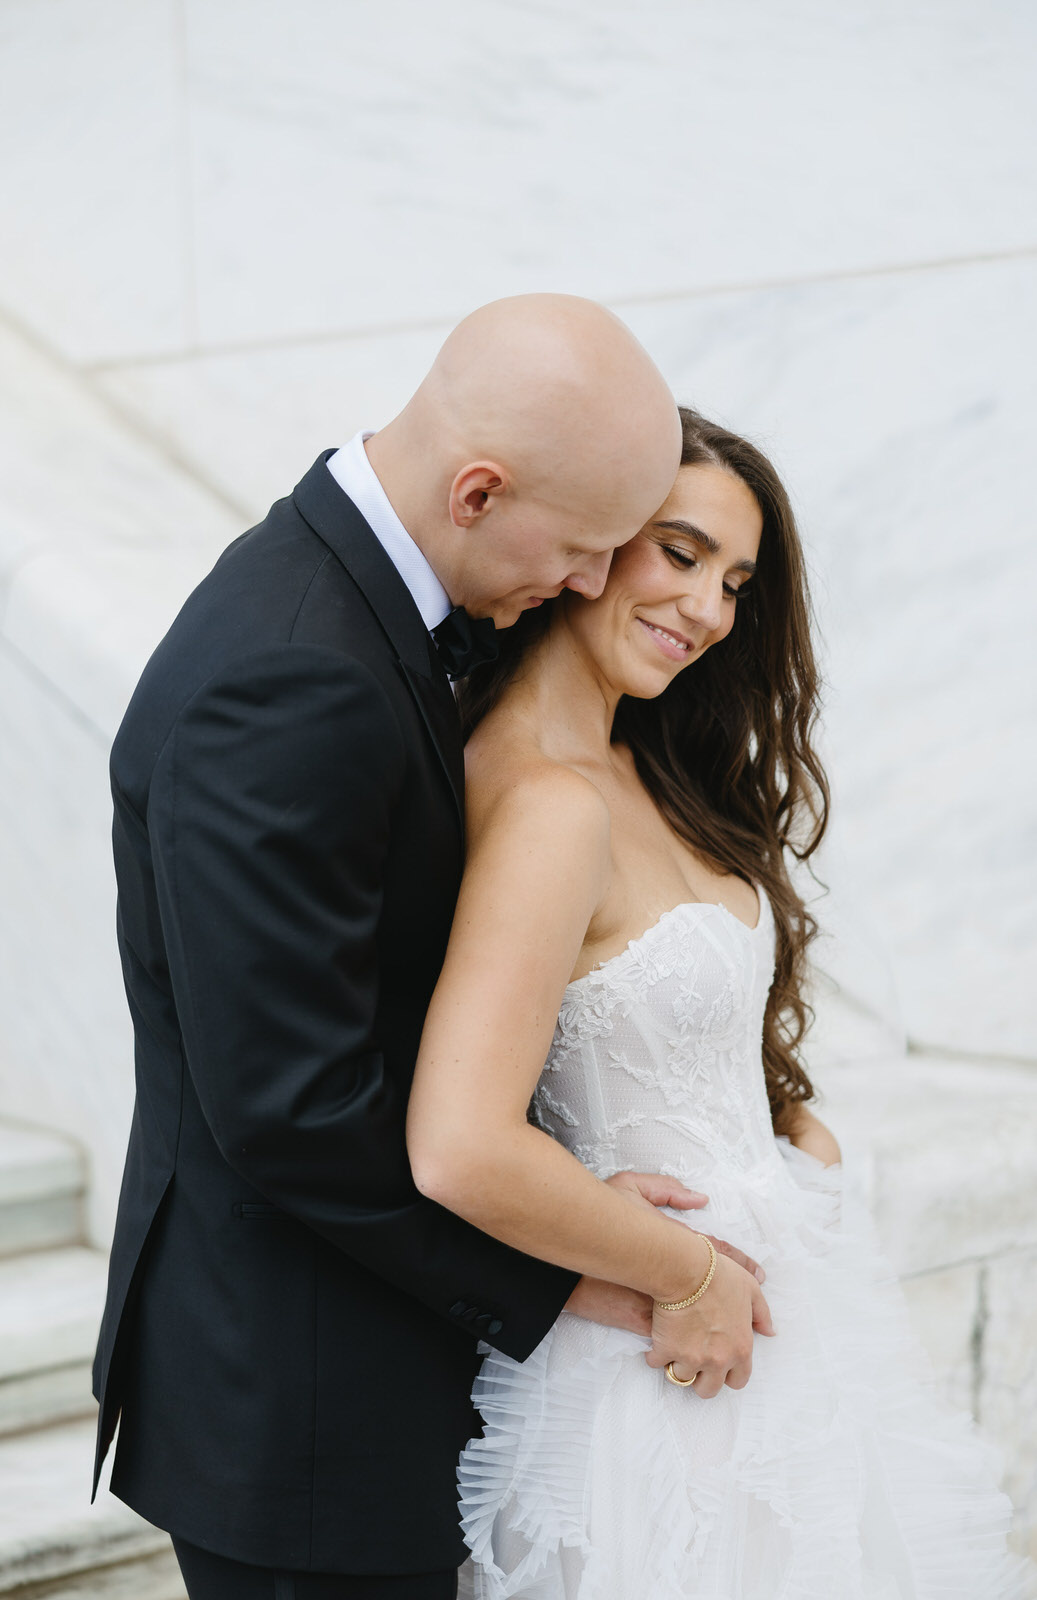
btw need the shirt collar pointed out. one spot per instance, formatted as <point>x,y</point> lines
<point>353,472</point>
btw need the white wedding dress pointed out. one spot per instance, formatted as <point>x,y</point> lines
<point>836,1474</point>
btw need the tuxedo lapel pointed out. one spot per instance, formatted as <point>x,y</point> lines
<point>335,519</point>
<point>435,698</point>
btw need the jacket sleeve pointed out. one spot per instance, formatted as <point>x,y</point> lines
<point>269,820</point>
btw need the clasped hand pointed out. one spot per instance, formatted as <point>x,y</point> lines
<point>711,1341</point>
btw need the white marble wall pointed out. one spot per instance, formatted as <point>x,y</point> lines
<point>188,172</point>
<point>234,232</point>
<point>944,1152</point>
<point>100,539</point>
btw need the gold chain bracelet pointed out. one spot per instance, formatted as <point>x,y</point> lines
<point>682,1305</point>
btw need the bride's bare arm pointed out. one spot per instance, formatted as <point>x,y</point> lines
<point>537,869</point>
<point>810,1134</point>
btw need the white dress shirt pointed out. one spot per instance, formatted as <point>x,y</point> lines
<point>353,472</point>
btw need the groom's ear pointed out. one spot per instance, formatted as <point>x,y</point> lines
<point>474,489</point>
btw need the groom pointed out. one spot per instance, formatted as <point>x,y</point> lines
<point>291,1330</point>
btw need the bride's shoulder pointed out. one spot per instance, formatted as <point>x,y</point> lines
<point>515,785</point>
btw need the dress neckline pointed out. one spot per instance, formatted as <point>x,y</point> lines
<point>666,918</point>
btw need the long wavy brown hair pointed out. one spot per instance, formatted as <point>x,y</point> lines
<point>725,751</point>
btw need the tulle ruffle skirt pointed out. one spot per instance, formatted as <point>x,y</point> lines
<point>836,1474</point>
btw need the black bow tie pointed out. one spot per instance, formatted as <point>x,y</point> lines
<point>464,642</point>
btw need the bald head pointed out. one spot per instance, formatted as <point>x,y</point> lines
<point>543,436</point>
<point>562,392</point>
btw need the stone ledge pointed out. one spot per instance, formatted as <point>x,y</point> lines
<point>154,1577</point>
<point>39,1399</point>
<point>41,1192</point>
<point>48,1529</point>
<point>35,1164</point>
<point>50,1308</point>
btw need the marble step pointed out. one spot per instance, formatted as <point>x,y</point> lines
<point>50,1308</point>
<point>154,1577</point>
<point>41,1190</point>
<point>55,1545</point>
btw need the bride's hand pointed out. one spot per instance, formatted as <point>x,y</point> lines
<point>713,1339</point>
<point>654,1189</point>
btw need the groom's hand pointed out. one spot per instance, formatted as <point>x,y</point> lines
<point>655,1189</point>
<point>612,1305</point>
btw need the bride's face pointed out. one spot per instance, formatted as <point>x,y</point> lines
<point>673,589</point>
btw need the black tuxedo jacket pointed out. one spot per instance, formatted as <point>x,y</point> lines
<point>291,1329</point>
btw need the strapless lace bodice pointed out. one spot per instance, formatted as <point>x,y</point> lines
<point>656,1060</point>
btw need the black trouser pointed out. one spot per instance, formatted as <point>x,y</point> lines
<point>210,1577</point>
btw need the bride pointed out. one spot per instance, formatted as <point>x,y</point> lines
<point>629,950</point>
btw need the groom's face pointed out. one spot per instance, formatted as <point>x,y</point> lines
<point>553,523</point>
<point>528,553</point>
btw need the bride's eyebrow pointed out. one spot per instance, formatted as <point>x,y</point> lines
<point>706,540</point>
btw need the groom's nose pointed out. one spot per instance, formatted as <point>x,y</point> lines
<point>589,577</point>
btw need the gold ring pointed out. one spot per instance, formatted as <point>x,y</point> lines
<point>682,1383</point>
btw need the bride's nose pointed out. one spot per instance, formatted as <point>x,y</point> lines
<point>703,602</point>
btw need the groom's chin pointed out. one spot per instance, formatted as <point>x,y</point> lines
<point>507,612</point>
<point>503,613</point>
